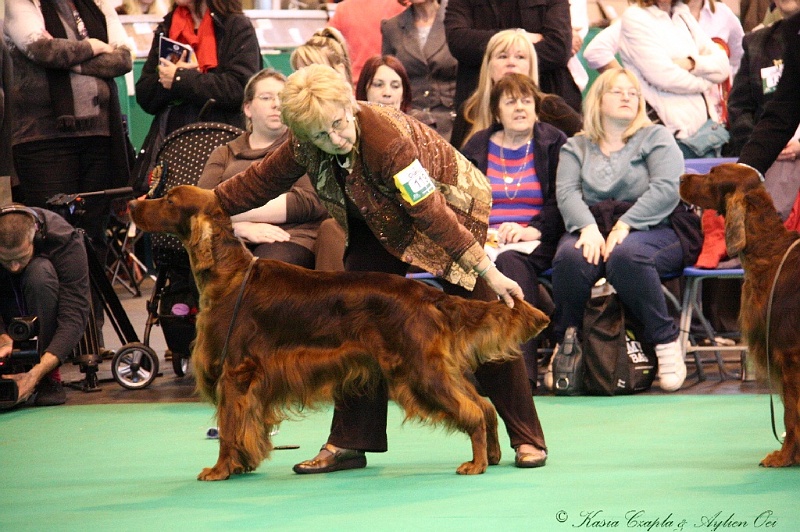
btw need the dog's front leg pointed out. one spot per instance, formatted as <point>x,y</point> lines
<point>789,453</point>
<point>479,461</point>
<point>232,458</point>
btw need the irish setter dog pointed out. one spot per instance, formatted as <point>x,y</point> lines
<point>301,337</point>
<point>754,232</point>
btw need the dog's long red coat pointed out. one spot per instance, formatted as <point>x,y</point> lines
<point>301,337</point>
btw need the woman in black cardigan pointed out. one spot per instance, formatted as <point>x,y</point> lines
<point>519,155</point>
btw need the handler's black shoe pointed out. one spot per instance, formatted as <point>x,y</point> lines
<point>329,460</point>
<point>49,392</point>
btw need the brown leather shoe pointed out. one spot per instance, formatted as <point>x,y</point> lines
<point>528,460</point>
<point>330,459</point>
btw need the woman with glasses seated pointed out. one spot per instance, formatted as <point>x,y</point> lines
<point>285,228</point>
<point>622,163</point>
<point>383,176</point>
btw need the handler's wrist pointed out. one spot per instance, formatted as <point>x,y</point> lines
<point>483,271</point>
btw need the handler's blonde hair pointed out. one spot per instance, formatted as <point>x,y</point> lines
<point>313,95</point>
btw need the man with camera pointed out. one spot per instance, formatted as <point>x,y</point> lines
<point>44,301</point>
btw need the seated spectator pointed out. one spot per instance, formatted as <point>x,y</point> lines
<point>676,64</point>
<point>416,37</point>
<point>44,273</point>
<point>753,87</point>
<point>384,80</point>
<point>519,155</point>
<point>284,229</point>
<point>621,162</point>
<point>325,47</point>
<point>511,51</point>
<point>470,25</point>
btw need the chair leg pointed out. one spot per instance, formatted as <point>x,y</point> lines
<point>687,312</point>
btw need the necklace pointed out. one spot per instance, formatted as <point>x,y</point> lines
<point>507,179</point>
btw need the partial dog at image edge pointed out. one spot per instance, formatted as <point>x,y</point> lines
<point>754,232</point>
<point>303,337</point>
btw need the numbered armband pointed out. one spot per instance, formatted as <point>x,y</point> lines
<point>414,183</point>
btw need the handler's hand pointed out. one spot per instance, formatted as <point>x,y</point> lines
<point>503,286</point>
<point>260,232</point>
<point>593,244</point>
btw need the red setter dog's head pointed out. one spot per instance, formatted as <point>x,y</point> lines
<point>727,188</point>
<point>192,214</point>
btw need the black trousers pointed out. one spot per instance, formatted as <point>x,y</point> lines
<point>359,422</point>
<point>67,166</point>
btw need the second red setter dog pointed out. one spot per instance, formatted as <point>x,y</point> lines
<point>754,233</point>
<point>301,337</point>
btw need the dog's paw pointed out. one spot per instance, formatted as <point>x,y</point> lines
<point>471,468</point>
<point>212,473</point>
<point>778,459</point>
<point>494,455</point>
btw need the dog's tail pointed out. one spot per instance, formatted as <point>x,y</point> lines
<point>496,334</point>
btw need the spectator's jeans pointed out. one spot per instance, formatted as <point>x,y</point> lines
<point>634,269</point>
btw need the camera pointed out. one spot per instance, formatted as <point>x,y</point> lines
<point>24,332</point>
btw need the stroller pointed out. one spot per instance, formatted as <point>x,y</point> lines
<point>174,301</point>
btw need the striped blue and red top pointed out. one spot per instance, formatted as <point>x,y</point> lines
<point>516,190</point>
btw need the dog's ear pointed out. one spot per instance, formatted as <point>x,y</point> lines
<point>200,242</point>
<point>735,211</point>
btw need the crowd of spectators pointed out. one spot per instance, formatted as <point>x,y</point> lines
<point>500,80</point>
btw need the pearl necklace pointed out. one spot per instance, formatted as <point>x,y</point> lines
<point>507,179</point>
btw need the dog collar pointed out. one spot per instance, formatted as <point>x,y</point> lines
<point>760,175</point>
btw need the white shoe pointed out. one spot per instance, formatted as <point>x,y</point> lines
<point>671,367</point>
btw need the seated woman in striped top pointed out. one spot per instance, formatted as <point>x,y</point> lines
<point>519,155</point>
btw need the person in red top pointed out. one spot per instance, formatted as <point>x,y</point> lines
<point>360,23</point>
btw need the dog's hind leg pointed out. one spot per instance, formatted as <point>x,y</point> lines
<point>448,401</point>
<point>789,453</point>
<point>493,451</point>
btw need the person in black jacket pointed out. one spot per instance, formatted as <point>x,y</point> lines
<point>753,86</point>
<point>225,55</point>
<point>44,273</point>
<point>781,114</point>
<point>469,24</point>
<point>521,149</point>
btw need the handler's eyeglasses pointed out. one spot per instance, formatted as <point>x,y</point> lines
<point>337,127</point>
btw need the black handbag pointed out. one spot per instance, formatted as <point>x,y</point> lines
<point>568,365</point>
<point>616,364</point>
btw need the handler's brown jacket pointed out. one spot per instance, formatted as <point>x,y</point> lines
<point>442,234</point>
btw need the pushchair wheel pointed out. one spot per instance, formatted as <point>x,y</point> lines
<point>180,363</point>
<point>134,366</point>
